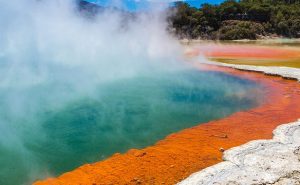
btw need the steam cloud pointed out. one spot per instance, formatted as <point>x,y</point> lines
<point>50,55</point>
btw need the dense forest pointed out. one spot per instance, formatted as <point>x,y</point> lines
<point>231,20</point>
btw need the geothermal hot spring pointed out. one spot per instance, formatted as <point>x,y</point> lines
<point>75,90</point>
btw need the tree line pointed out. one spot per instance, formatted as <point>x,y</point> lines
<point>231,20</point>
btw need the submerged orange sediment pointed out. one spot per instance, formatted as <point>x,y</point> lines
<point>180,154</point>
<point>226,51</point>
<point>248,54</point>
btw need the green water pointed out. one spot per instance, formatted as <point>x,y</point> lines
<point>117,116</point>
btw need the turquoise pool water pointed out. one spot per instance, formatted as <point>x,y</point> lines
<point>123,114</point>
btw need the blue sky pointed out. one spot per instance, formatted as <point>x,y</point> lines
<point>134,5</point>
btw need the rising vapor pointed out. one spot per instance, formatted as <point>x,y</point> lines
<point>50,55</point>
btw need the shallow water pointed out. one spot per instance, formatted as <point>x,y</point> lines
<point>127,113</point>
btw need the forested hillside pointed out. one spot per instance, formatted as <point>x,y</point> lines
<point>245,19</point>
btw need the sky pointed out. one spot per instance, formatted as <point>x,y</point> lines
<point>136,5</point>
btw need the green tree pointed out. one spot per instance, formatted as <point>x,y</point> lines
<point>229,9</point>
<point>260,12</point>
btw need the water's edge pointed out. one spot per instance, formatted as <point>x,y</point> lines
<point>182,152</point>
<point>274,161</point>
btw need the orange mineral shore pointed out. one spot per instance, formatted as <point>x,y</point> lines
<point>244,51</point>
<point>181,154</point>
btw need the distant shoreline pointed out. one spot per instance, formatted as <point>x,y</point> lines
<point>267,40</point>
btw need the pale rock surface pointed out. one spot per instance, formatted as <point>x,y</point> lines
<point>286,72</point>
<point>259,162</point>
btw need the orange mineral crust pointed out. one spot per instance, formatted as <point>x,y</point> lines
<point>244,51</point>
<point>183,153</point>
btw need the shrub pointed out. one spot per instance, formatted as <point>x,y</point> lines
<point>234,30</point>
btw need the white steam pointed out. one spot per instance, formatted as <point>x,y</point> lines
<point>50,54</point>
